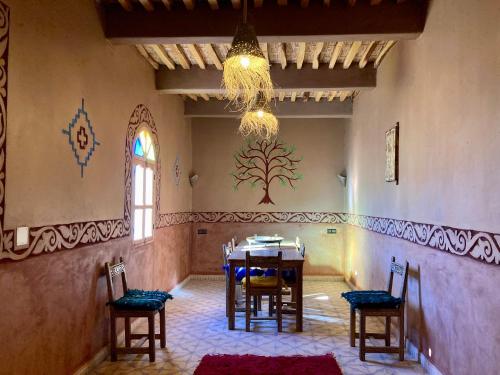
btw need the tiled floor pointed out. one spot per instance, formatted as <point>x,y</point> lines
<point>196,325</point>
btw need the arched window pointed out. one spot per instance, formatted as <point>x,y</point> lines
<point>143,186</point>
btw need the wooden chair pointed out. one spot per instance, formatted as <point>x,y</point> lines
<point>226,251</point>
<point>380,303</point>
<point>137,308</point>
<point>258,286</point>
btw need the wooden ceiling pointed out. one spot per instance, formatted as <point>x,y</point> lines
<point>329,49</point>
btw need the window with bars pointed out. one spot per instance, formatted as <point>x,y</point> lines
<point>143,190</point>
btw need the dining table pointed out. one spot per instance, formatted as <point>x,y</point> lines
<point>291,259</point>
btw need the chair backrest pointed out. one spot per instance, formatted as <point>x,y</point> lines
<point>302,250</point>
<point>226,250</point>
<point>402,271</point>
<point>113,271</point>
<point>259,261</point>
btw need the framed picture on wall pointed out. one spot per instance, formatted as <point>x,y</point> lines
<point>392,154</point>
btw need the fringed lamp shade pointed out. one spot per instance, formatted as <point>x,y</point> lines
<point>246,70</point>
<point>259,121</point>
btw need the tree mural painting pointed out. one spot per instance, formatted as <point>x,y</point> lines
<point>260,162</point>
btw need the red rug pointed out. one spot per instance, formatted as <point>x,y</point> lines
<point>221,364</point>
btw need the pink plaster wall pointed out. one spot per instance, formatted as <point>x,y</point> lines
<point>443,89</point>
<point>53,310</point>
<point>452,304</point>
<point>324,252</point>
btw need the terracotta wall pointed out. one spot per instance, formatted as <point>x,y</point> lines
<point>443,89</point>
<point>320,143</point>
<point>53,310</point>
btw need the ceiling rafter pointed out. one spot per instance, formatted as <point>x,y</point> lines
<point>384,51</point>
<point>351,54</point>
<point>213,56</point>
<point>126,4</point>
<point>214,5</point>
<point>336,53</point>
<point>367,53</point>
<point>148,5</point>
<point>317,51</point>
<point>146,56</point>
<point>163,55</point>
<point>167,4</point>
<point>181,56</point>
<point>281,109</point>
<point>388,20</point>
<point>301,53</point>
<point>195,52</point>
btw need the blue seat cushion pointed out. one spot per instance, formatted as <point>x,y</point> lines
<point>371,299</point>
<point>136,299</point>
<point>241,271</point>
<point>152,294</point>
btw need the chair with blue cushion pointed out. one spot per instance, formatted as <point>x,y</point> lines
<point>134,303</point>
<point>239,276</point>
<point>258,286</point>
<point>379,303</point>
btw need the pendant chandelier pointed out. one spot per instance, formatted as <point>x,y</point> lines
<point>259,120</point>
<point>246,70</point>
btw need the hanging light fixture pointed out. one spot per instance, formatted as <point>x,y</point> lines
<point>246,70</point>
<point>259,120</point>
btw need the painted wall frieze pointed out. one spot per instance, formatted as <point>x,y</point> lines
<point>479,245</point>
<point>269,217</point>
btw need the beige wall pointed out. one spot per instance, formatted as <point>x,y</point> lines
<point>57,57</point>
<point>54,315</point>
<point>443,89</point>
<point>319,141</point>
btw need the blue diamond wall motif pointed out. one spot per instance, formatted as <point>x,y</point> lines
<point>81,137</point>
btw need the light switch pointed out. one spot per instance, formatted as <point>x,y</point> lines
<point>22,237</point>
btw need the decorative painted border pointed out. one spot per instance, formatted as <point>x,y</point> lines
<point>5,235</point>
<point>481,246</point>
<point>48,239</point>
<point>174,218</point>
<point>269,217</point>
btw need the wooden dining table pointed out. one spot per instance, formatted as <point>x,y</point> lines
<point>291,258</point>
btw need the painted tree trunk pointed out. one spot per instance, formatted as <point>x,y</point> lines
<point>267,198</point>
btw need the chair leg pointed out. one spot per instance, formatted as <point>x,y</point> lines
<point>362,335</point>
<point>279,315</point>
<point>163,338</point>
<point>128,341</point>
<point>271,307</point>
<point>112,322</point>
<point>255,305</point>
<point>402,336</point>
<point>387,331</point>
<point>293,293</point>
<point>248,308</point>
<point>259,303</point>
<point>353,327</point>
<point>227,298</point>
<point>151,337</point>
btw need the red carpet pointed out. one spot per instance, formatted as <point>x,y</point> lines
<point>221,364</point>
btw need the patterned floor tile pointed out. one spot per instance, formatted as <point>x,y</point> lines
<point>197,325</point>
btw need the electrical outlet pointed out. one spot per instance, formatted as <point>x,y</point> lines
<point>202,231</point>
<point>331,231</point>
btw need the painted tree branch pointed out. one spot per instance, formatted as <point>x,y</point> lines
<point>261,162</point>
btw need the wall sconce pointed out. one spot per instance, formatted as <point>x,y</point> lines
<point>342,178</point>
<point>193,179</point>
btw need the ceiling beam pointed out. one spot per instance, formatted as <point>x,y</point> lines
<point>284,109</point>
<point>387,21</point>
<point>208,81</point>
